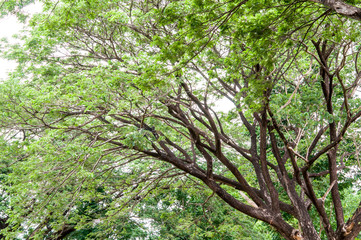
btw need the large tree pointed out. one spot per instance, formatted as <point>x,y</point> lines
<point>115,103</point>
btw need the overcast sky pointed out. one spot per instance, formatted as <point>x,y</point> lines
<point>8,27</point>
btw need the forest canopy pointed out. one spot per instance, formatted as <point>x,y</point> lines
<point>189,119</point>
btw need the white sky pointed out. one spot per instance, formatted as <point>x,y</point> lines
<point>10,26</point>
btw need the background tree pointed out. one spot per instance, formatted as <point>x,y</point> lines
<point>114,103</point>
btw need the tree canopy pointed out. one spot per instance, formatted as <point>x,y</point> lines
<point>117,123</point>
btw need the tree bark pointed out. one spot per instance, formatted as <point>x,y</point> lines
<point>341,8</point>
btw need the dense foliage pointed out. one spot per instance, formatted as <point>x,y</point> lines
<point>117,122</point>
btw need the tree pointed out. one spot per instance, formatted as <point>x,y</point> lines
<point>114,102</point>
<point>14,7</point>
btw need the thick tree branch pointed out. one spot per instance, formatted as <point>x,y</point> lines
<point>341,8</point>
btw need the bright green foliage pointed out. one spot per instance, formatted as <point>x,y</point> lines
<point>177,215</point>
<point>112,127</point>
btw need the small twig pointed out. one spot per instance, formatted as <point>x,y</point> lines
<point>328,191</point>
<point>297,154</point>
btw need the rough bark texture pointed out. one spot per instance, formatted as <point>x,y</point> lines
<point>277,162</point>
<point>341,8</point>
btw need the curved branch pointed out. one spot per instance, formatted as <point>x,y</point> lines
<point>341,8</point>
